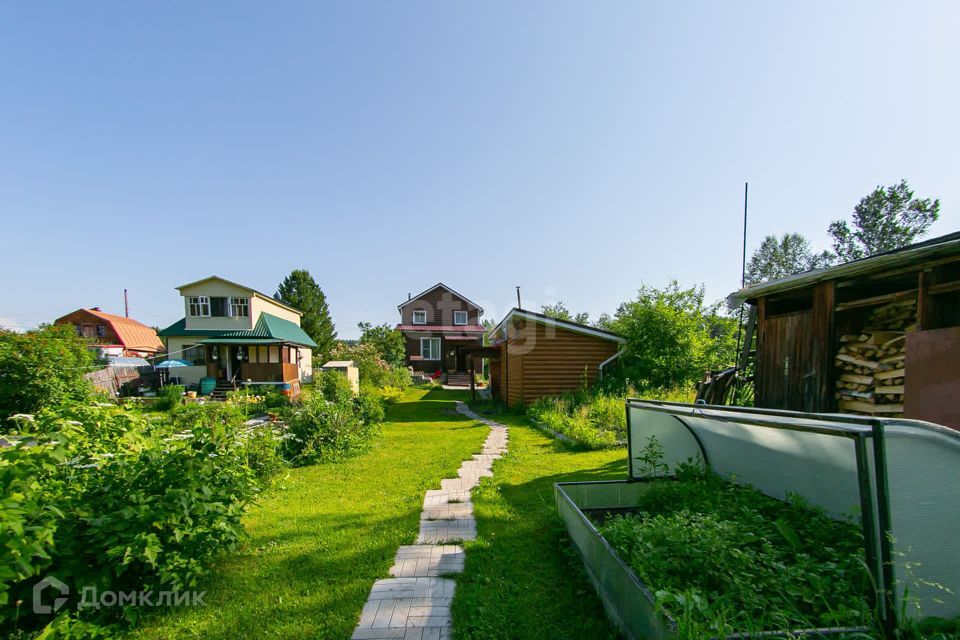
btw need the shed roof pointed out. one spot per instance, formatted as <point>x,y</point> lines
<point>576,327</point>
<point>269,328</point>
<point>935,247</point>
<point>132,334</point>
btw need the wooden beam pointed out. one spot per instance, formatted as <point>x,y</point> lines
<point>876,300</point>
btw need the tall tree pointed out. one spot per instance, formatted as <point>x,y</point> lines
<point>560,312</point>
<point>301,291</point>
<point>884,220</point>
<point>784,256</point>
<point>388,342</point>
<point>673,337</point>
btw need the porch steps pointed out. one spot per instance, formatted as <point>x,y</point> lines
<point>220,391</point>
<point>456,379</point>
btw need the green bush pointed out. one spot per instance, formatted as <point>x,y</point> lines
<point>322,430</point>
<point>43,368</point>
<point>98,495</point>
<point>334,387</point>
<point>373,368</point>
<point>369,405</point>
<point>168,397</point>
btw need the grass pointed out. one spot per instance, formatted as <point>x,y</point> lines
<point>320,538</point>
<point>593,419</point>
<point>522,577</point>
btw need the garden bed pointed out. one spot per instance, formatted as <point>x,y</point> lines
<point>700,557</point>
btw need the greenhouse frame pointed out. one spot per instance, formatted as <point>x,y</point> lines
<point>899,479</point>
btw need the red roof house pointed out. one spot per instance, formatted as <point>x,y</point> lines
<point>108,331</point>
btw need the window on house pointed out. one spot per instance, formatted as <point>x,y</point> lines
<point>101,331</point>
<point>199,306</point>
<point>293,355</point>
<point>218,307</point>
<point>240,307</point>
<point>195,354</point>
<point>430,348</point>
<point>459,317</point>
<point>274,353</point>
<point>419,316</point>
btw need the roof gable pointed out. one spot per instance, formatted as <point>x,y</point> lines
<point>575,327</point>
<point>436,286</point>
<point>253,292</point>
<point>132,334</point>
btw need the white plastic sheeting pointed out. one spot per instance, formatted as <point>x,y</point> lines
<point>815,456</point>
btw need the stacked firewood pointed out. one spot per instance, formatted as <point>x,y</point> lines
<point>870,365</point>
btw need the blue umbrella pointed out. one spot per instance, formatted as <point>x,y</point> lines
<point>169,364</point>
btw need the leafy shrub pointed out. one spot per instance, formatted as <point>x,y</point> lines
<point>391,394</point>
<point>43,368</point>
<point>28,520</point>
<point>724,558</point>
<point>373,368</point>
<point>334,386</point>
<point>168,397</point>
<point>369,405</point>
<point>321,430</point>
<point>119,499</point>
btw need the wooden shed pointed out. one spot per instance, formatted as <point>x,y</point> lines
<point>878,336</point>
<point>535,355</point>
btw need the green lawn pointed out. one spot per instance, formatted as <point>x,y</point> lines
<point>522,577</point>
<point>322,536</point>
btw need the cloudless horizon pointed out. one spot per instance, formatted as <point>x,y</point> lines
<point>578,150</point>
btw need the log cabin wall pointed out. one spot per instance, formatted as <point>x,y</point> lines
<point>539,360</point>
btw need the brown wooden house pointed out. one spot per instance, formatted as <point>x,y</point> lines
<point>878,336</point>
<point>533,355</point>
<point>439,325</point>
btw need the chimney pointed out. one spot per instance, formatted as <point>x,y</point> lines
<point>409,296</point>
<point>95,309</point>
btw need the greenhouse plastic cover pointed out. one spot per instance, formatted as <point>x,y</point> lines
<point>815,456</point>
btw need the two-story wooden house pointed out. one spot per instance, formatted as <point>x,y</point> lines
<point>113,335</point>
<point>239,336</point>
<point>439,325</point>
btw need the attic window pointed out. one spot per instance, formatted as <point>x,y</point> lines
<point>199,306</point>
<point>419,316</point>
<point>239,307</point>
<point>460,317</point>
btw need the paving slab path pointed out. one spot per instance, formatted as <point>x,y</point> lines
<point>414,603</point>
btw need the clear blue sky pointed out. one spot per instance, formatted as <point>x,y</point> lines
<point>577,149</point>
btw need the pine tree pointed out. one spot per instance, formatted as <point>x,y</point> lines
<point>301,291</point>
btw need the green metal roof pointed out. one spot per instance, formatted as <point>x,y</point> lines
<point>269,329</point>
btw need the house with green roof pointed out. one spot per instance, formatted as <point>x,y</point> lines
<point>238,336</point>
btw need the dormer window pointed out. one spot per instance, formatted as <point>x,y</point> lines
<point>460,317</point>
<point>199,306</point>
<point>419,316</point>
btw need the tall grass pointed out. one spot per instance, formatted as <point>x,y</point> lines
<point>595,419</point>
